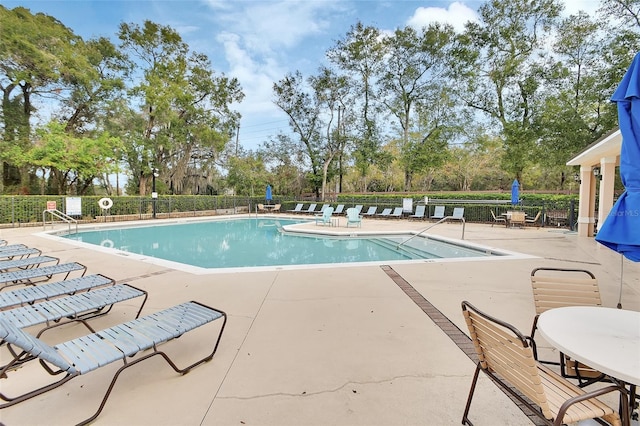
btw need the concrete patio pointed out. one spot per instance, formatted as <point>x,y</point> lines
<point>319,346</point>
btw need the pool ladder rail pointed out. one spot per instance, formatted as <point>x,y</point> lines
<point>444,219</point>
<point>62,216</point>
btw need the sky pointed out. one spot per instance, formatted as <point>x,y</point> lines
<point>260,41</point>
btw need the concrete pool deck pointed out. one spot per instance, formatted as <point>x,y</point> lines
<point>321,346</point>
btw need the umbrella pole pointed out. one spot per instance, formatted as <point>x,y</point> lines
<point>621,274</point>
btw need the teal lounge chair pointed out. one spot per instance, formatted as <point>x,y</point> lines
<point>324,218</point>
<point>140,337</point>
<point>353,217</point>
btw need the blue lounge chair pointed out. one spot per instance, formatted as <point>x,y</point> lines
<point>339,209</point>
<point>311,209</point>
<point>25,276</point>
<point>371,211</point>
<point>385,213</point>
<point>297,209</point>
<point>358,208</point>
<point>438,213</point>
<point>115,344</point>
<point>353,217</point>
<point>19,253</point>
<point>31,294</point>
<point>419,214</point>
<point>458,213</point>
<point>12,247</point>
<point>81,305</point>
<point>324,218</point>
<point>397,213</point>
<point>27,262</point>
<point>324,206</point>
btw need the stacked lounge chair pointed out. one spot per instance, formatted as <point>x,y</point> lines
<point>78,299</point>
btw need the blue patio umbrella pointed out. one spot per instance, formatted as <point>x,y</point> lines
<point>621,229</point>
<point>268,196</point>
<point>515,192</point>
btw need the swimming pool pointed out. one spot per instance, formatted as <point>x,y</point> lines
<point>248,242</point>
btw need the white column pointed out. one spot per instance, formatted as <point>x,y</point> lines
<point>608,174</point>
<point>587,203</point>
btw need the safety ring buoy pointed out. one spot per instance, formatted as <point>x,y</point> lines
<point>107,243</point>
<point>105,203</point>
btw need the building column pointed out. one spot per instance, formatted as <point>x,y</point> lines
<point>608,175</point>
<point>587,202</point>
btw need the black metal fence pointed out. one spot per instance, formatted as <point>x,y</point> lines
<point>28,210</point>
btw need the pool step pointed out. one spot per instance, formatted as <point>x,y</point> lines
<point>410,252</point>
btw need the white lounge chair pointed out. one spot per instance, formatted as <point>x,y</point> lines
<point>371,211</point>
<point>419,214</point>
<point>438,213</point>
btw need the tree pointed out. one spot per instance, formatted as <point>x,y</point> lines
<point>38,57</point>
<point>186,118</point>
<point>414,69</point>
<point>497,66</point>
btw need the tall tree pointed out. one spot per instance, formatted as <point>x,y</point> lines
<point>498,63</point>
<point>414,70</point>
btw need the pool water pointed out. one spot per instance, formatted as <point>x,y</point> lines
<point>260,242</point>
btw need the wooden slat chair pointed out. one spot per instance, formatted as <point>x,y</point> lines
<point>506,356</point>
<point>560,287</point>
<point>140,338</point>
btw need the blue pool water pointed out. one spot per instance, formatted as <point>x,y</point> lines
<point>260,242</point>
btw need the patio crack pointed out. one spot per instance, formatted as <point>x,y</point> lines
<point>450,329</point>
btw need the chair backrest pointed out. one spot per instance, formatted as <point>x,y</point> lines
<point>326,213</point>
<point>298,207</point>
<point>493,215</point>
<point>535,219</point>
<point>372,210</point>
<point>353,214</point>
<point>397,212</point>
<point>339,209</point>
<point>277,207</point>
<point>385,212</point>
<point>502,349</point>
<point>558,287</point>
<point>518,217</point>
<point>420,210</point>
<point>458,212</point>
<point>438,212</point>
<point>324,207</point>
<point>260,206</point>
<point>358,208</point>
<point>312,207</point>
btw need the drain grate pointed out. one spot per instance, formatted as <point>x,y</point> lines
<point>450,329</point>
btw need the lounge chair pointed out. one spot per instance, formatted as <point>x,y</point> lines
<point>458,214</point>
<point>31,294</point>
<point>27,262</point>
<point>497,219</point>
<point>3,242</point>
<point>85,354</point>
<point>533,220</point>
<point>353,217</point>
<point>324,206</point>
<point>560,287</point>
<point>297,209</point>
<point>19,253</point>
<point>276,208</point>
<point>371,211</point>
<point>311,209</point>
<point>358,208</point>
<point>82,306</point>
<point>324,218</point>
<point>25,276</point>
<point>419,214</point>
<point>12,247</point>
<point>397,213</point>
<point>438,213</point>
<point>506,356</point>
<point>339,209</point>
<point>385,213</point>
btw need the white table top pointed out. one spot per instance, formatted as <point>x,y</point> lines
<point>606,339</point>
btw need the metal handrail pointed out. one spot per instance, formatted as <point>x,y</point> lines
<point>444,219</point>
<point>64,217</point>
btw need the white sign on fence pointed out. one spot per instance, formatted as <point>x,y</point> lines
<point>73,206</point>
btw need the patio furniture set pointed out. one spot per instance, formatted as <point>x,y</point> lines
<point>597,345</point>
<point>39,301</point>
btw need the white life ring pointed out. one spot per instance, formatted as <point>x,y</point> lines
<point>105,203</point>
<point>107,243</point>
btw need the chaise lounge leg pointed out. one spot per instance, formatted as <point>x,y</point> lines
<point>465,418</point>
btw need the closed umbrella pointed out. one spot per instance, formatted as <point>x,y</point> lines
<point>268,193</point>
<point>515,192</point>
<point>621,229</point>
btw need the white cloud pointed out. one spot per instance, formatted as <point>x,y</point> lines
<point>572,7</point>
<point>457,14</point>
